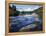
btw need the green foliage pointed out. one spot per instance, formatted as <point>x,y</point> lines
<point>37,11</point>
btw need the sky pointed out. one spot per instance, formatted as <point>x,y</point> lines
<point>25,7</point>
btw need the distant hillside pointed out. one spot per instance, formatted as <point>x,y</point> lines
<point>14,12</point>
<point>39,11</point>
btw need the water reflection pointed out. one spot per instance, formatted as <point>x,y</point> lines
<point>26,21</point>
